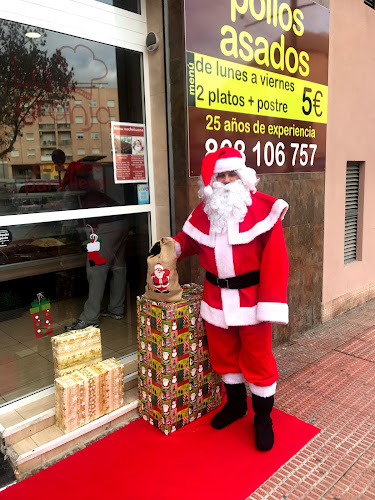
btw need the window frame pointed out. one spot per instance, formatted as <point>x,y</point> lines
<point>125,30</point>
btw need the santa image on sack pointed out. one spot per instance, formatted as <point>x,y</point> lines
<point>236,232</point>
<point>160,279</point>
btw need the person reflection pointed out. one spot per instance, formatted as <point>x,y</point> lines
<point>105,239</point>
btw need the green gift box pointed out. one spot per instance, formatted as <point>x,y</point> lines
<point>41,313</point>
<point>176,382</point>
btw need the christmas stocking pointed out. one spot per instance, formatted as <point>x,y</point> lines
<point>93,247</point>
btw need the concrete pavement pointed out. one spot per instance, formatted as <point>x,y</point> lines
<point>327,378</point>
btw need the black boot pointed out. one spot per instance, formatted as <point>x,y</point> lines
<point>262,407</point>
<point>234,408</point>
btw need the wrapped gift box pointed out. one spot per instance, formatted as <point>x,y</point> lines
<point>175,379</point>
<point>75,350</point>
<point>41,313</point>
<point>87,394</point>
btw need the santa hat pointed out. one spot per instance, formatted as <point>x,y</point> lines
<point>222,160</point>
<point>158,266</point>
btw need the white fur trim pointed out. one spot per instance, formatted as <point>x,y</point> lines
<point>93,247</point>
<point>233,378</point>
<point>238,316</point>
<point>234,314</point>
<point>224,256</point>
<point>208,190</point>
<point>275,312</point>
<point>212,315</point>
<point>278,210</point>
<point>197,235</point>
<point>177,247</point>
<point>263,392</point>
<point>229,164</point>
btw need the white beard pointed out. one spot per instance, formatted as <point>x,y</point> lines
<point>228,201</point>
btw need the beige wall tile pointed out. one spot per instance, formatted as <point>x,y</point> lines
<point>30,431</point>
<point>161,177</point>
<point>47,435</point>
<point>130,367</point>
<point>125,419</point>
<point>156,68</point>
<point>162,222</point>
<point>154,10</point>
<point>27,468</point>
<point>11,418</point>
<point>95,434</point>
<point>62,451</point>
<point>37,407</point>
<point>131,384</point>
<point>24,446</point>
<point>131,396</point>
<point>158,121</point>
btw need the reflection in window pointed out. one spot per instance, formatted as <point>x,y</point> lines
<point>53,89</point>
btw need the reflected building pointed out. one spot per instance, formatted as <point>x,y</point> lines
<point>81,127</point>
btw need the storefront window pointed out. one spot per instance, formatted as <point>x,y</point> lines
<point>130,5</point>
<point>58,96</point>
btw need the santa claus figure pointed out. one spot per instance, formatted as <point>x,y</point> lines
<point>236,231</point>
<point>160,279</point>
<point>137,147</point>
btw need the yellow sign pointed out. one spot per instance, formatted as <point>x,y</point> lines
<point>221,85</point>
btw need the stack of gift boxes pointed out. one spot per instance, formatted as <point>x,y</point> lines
<point>176,382</point>
<point>86,387</point>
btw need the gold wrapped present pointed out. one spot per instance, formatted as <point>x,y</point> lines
<point>87,394</point>
<point>76,349</point>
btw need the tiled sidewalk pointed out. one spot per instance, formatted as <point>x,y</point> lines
<point>327,378</point>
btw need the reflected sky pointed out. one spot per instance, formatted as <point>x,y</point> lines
<point>93,62</point>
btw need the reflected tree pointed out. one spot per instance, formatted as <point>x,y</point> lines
<point>30,78</point>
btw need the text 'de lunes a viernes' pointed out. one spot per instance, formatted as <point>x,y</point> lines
<point>222,85</point>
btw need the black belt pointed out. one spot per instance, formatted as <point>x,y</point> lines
<point>242,281</point>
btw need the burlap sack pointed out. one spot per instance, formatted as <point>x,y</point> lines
<point>162,278</point>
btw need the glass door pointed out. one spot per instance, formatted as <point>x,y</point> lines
<point>74,197</point>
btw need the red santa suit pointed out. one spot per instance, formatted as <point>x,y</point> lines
<point>238,320</point>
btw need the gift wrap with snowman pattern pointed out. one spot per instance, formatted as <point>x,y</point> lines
<point>76,349</point>
<point>175,380</point>
<point>87,394</point>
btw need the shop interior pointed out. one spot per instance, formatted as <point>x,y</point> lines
<point>65,94</point>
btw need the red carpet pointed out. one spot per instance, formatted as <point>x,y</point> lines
<point>197,462</point>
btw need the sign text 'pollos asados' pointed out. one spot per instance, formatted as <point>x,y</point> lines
<point>257,80</point>
<point>243,45</point>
